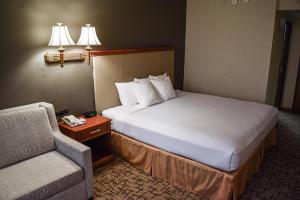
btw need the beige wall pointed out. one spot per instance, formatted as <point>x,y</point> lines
<point>228,48</point>
<point>292,66</point>
<point>288,5</point>
<point>26,30</point>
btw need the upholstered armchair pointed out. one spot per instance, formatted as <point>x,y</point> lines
<point>37,161</point>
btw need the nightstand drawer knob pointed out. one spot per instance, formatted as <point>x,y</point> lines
<point>95,131</point>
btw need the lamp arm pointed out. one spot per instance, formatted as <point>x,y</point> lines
<point>61,55</point>
<point>88,49</point>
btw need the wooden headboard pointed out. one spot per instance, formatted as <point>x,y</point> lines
<point>110,66</point>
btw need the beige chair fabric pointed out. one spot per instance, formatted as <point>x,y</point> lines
<point>32,138</point>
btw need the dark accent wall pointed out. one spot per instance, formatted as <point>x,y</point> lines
<point>26,30</point>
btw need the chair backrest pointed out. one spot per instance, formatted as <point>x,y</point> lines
<point>25,132</point>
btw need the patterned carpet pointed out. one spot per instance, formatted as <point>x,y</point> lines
<point>278,178</point>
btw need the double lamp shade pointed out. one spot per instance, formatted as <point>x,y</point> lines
<point>61,37</point>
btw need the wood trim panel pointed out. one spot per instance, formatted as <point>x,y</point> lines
<point>290,110</point>
<point>129,51</point>
<point>296,104</point>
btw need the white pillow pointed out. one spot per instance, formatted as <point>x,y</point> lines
<point>144,93</point>
<point>126,94</point>
<point>163,87</point>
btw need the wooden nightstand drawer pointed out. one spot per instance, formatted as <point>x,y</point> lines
<point>93,132</point>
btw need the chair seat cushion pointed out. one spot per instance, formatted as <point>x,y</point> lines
<point>39,177</point>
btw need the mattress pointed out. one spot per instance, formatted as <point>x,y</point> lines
<point>220,132</point>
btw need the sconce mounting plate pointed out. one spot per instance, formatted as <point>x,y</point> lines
<point>68,56</point>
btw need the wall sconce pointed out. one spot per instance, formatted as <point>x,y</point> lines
<point>88,37</point>
<point>60,37</point>
<point>236,2</point>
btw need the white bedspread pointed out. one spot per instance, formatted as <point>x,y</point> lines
<point>219,132</point>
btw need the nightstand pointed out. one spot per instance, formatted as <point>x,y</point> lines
<point>94,134</point>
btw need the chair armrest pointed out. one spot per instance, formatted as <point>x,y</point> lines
<point>80,154</point>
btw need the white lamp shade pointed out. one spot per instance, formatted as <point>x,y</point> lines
<point>88,36</point>
<point>60,36</point>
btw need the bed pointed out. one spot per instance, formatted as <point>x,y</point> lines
<point>207,144</point>
<point>216,131</point>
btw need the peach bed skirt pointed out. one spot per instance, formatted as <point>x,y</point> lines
<point>195,177</point>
